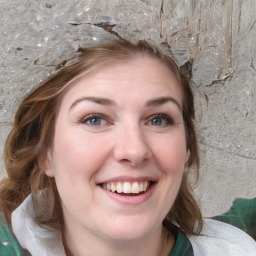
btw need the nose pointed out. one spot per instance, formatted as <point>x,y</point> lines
<point>131,146</point>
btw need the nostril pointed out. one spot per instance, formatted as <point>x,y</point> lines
<point>133,158</point>
<point>125,161</point>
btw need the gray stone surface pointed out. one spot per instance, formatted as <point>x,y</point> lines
<point>217,37</point>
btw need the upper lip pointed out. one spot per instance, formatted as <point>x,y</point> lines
<point>128,179</point>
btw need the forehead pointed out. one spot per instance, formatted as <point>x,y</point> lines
<point>141,74</point>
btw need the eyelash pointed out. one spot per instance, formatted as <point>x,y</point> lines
<point>162,117</point>
<point>101,117</point>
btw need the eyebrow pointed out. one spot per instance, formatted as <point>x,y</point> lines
<point>107,102</point>
<point>162,100</point>
<point>98,100</point>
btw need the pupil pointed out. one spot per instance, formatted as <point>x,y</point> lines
<point>156,121</point>
<point>95,121</point>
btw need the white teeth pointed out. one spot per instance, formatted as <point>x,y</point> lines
<point>127,187</point>
<point>141,186</point>
<point>145,186</point>
<point>135,187</point>
<point>112,187</point>
<point>119,188</point>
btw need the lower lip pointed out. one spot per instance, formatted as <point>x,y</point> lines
<point>131,200</point>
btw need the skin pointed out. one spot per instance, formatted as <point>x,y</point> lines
<point>134,137</point>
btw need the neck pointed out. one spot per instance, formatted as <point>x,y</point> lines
<point>158,244</point>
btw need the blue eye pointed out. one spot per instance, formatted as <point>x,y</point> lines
<point>157,121</point>
<point>161,120</point>
<point>94,120</point>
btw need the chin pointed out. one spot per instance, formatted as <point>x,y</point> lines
<point>124,235</point>
<point>129,230</point>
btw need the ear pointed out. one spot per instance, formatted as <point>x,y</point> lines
<point>45,164</point>
<point>187,155</point>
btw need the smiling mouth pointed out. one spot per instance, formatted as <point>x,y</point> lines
<point>127,188</point>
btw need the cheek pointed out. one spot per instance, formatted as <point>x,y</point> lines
<point>76,161</point>
<point>171,153</point>
<point>78,153</point>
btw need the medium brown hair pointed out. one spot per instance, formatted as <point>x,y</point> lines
<point>33,131</point>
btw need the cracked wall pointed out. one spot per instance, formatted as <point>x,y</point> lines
<point>215,40</point>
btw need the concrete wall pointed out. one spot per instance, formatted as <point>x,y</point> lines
<point>217,37</point>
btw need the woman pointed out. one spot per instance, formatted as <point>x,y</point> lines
<point>98,160</point>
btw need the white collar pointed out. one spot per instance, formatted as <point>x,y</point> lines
<point>216,238</point>
<point>37,240</point>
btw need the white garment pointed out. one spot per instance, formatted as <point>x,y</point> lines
<point>216,239</point>
<point>221,239</point>
<point>38,241</point>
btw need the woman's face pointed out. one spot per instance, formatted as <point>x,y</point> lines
<point>119,149</point>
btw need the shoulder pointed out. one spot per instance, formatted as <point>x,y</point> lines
<point>9,245</point>
<point>242,214</point>
<point>222,239</point>
<point>34,238</point>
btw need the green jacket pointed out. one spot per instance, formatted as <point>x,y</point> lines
<point>9,246</point>
<point>241,215</point>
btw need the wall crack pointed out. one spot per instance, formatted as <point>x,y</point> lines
<point>228,152</point>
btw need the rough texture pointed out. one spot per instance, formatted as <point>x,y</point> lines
<point>217,37</point>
